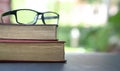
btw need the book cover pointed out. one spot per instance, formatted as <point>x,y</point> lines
<point>32,50</point>
<point>16,31</point>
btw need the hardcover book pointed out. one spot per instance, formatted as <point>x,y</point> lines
<point>32,50</point>
<point>39,32</point>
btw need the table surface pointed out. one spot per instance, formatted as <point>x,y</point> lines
<point>75,62</point>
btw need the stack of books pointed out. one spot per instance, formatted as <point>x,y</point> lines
<point>30,43</point>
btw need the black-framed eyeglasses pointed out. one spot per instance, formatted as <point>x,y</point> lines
<point>30,17</point>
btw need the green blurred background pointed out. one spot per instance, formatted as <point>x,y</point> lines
<point>85,25</point>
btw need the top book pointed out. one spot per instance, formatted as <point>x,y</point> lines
<point>39,32</point>
<point>26,26</point>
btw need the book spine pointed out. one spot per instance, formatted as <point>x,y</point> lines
<point>28,41</point>
<point>28,61</point>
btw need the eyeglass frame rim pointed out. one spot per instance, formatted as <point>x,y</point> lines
<point>14,12</point>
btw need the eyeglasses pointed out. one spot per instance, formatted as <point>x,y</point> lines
<point>30,17</point>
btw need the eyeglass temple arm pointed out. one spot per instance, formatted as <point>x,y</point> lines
<point>9,13</point>
<point>50,17</point>
<point>6,13</point>
<point>53,17</point>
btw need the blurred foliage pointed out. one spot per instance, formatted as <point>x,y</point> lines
<point>64,34</point>
<point>92,39</point>
<point>115,23</point>
<point>97,39</point>
<point>93,1</point>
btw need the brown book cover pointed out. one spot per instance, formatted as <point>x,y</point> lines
<point>17,31</point>
<point>32,50</point>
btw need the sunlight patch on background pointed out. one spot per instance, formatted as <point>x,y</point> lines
<point>39,5</point>
<point>75,37</point>
<point>75,50</point>
<point>88,14</point>
<point>66,0</point>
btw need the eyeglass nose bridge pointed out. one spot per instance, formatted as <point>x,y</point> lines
<point>43,20</point>
<point>38,17</point>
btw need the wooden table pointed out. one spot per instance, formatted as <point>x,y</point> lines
<point>75,62</point>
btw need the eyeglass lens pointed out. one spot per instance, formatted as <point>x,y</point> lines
<point>26,16</point>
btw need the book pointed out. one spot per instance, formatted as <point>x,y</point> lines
<point>32,50</point>
<point>19,31</point>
